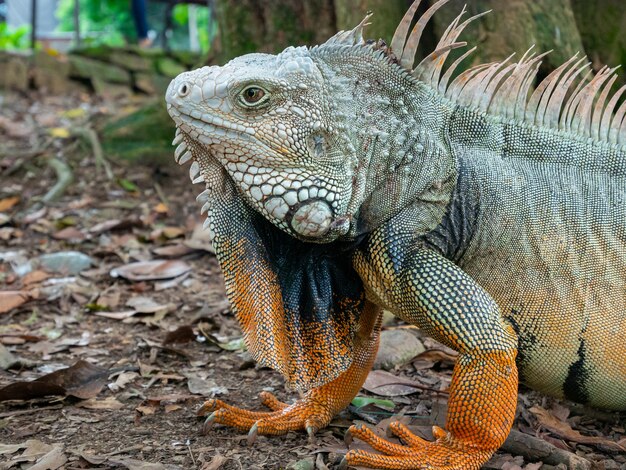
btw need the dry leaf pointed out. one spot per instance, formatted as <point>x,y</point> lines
<point>8,203</point>
<point>69,233</point>
<point>386,384</point>
<point>10,299</point>
<point>59,132</point>
<point>82,380</point>
<point>52,460</point>
<point>146,409</point>
<point>172,407</point>
<point>151,270</point>
<point>108,403</point>
<point>123,315</point>
<point>182,334</point>
<point>161,208</point>
<point>565,431</point>
<point>173,251</point>
<point>144,304</point>
<point>216,462</point>
<point>35,277</point>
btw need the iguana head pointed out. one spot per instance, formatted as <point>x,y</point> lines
<point>267,120</point>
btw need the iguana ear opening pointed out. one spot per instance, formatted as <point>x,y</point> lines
<point>298,303</point>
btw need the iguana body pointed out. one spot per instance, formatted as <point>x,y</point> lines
<point>340,181</point>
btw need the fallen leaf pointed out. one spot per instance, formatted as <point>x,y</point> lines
<point>145,304</point>
<point>122,315</point>
<point>109,299</point>
<point>59,132</point>
<point>161,208</point>
<point>122,380</point>
<point>108,403</point>
<point>8,202</point>
<point>146,410</point>
<point>172,232</point>
<point>127,185</point>
<point>35,277</point>
<point>91,458</point>
<point>176,250</point>
<point>237,344</point>
<point>205,387</point>
<point>81,380</point>
<point>74,113</point>
<point>69,233</point>
<point>182,334</point>
<point>52,460</point>
<point>10,299</point>
<point>170,408</point>
<point>216,462</point>
<point>151,270</point>
<point>565,431</point>
<point>363,401</point>
<point>116,225</point>
<point>386,384</point>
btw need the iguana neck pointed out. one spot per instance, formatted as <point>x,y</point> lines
<point>392,130</point>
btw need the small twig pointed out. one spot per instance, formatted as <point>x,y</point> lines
<point>98,155</point>
<point>8,414</point>
<point>190,452</point>
<point>535,449</point>
<point>161,194</point>
<point>65,176</point>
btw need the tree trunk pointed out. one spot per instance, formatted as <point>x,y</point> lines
<point>602,24</point>
<point>386,16</point>
<point>271,26</point>
<point>514,26</point>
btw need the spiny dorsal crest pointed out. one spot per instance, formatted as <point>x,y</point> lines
<point>502,88</point>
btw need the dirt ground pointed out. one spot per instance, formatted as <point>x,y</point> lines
<point>151,344</point>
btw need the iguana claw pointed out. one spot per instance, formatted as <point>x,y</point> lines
<point>306,414</point>
<point>253,433</point>
<point>446,453</point>
<point>208,423</point>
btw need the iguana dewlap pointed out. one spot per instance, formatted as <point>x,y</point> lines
<point>342,179</point>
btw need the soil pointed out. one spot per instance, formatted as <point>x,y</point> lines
<point>144,415</point>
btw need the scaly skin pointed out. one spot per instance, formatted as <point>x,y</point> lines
<point>340,179</point>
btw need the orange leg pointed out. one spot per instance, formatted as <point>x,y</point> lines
<point>483,397</point>
<point>317,407</point>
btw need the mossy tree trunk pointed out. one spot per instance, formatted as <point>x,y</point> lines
<point>602,24</point>
<point>386,16</point>
<point>272,25</point>
<point>514,26</point>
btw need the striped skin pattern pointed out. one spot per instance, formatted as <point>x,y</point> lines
<point>341,179</point>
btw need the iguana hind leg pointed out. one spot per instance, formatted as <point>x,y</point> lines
<point>318,406</point>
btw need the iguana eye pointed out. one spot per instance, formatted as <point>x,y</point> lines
<point>253,96</point>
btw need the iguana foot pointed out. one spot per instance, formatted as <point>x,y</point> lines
<point>306,414</point>
<point>445,453</point>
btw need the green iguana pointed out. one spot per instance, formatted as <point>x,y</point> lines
<point>340,180</point>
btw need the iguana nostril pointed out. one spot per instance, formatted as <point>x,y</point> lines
<point>183,90</point>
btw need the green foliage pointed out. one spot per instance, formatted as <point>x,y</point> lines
<point>11,38</point>
<point>206,24</point>
<point>111,20</point>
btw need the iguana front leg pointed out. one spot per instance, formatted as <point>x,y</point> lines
<point>426,289</point>
<point>317,407</point>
